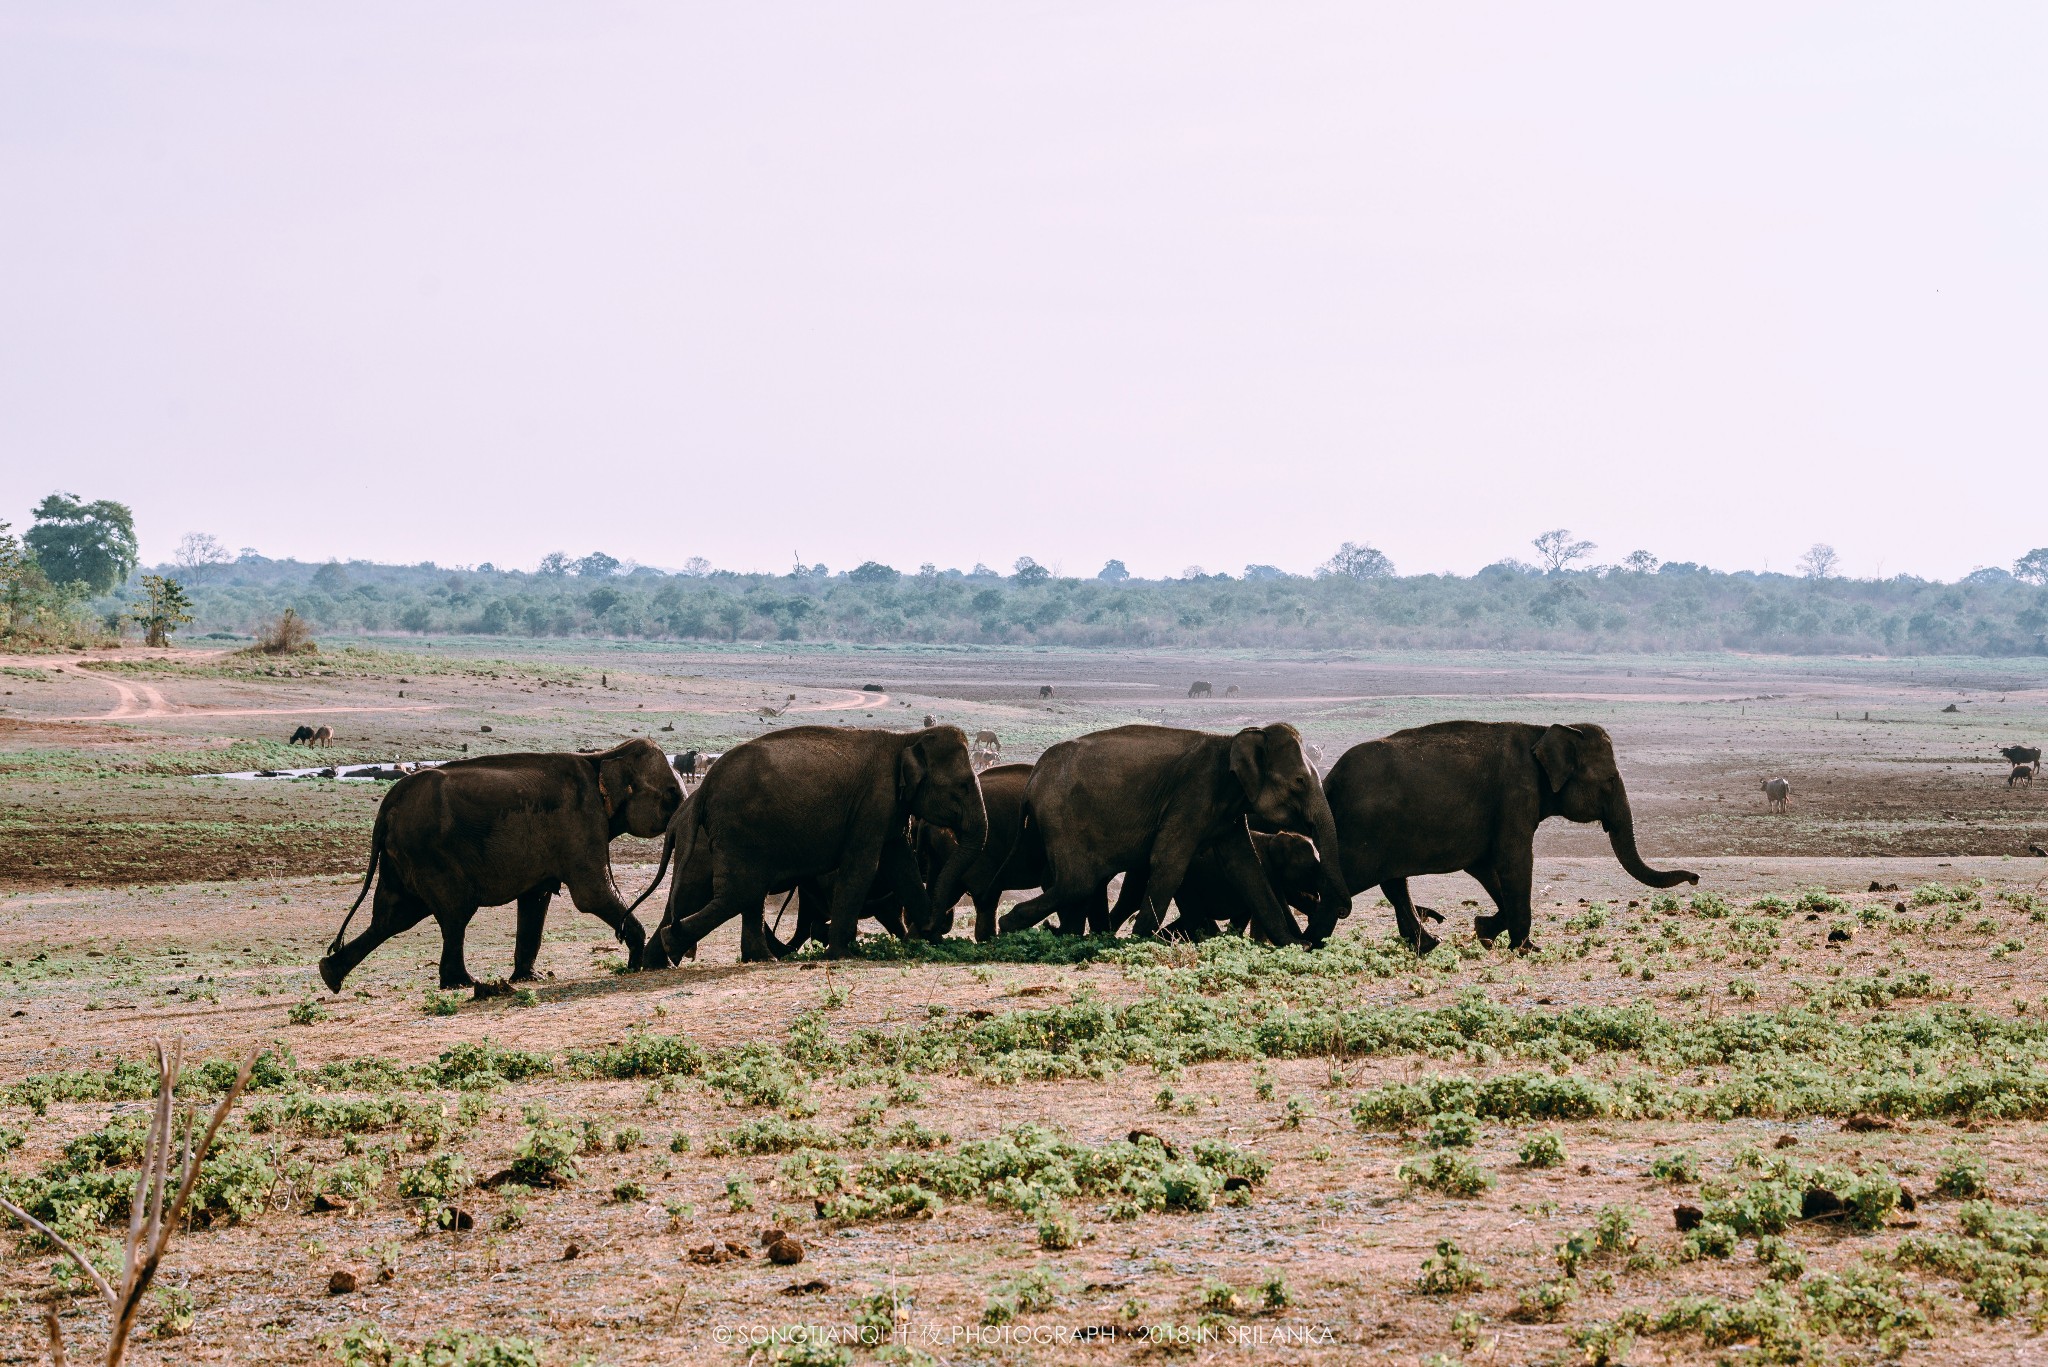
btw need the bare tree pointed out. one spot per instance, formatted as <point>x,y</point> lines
<point>1557,550</point>
<point>1355,560</point>
<point>150,1224</point>
<point>696,567</point>
<point>1819,561</point>
<point>1640,562</point>
<point>2032,568</point>
<point>199,552</point>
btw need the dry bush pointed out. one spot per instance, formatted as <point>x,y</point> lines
<point>287,635</point>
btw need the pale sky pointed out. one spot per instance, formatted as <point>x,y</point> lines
<point>1178,283</point>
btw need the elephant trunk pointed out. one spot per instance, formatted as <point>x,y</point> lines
<point>1620,826</point>
<point>968,842</point>
<point>1335,897</point>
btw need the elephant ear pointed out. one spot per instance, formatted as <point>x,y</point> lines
<point>614,783</point>
<point>910,771</point>
<point>1557,753</point>
<point>1248,759</point>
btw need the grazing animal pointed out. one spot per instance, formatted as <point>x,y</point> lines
<point>1200,689</point>
<point>322,737</point>
<point>503,828</point>
<point>2022,754</point>
<point>304,735</point>
<point>1150,797</point>
<point>2022,773</point>
<point>804,803</point>
<point>1469,795</point>
<point>1045,690</point>
<point>1776,790</point>
<point>986,750</point>
<point>1230,692</point>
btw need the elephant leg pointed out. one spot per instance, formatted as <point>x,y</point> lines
<point>1245,877</point>
<point>1508,881</point>
<point>533,919</point>
<point>909,910</point>
<point>849,895</point>
<point>1405,919</point>
<point>593,894</point>
<point>1130,901</point>
<point>394,910</point>
<point>986,903</point>
<point>684,902</point>
<point>1059,896</point>
<point>454,929</point>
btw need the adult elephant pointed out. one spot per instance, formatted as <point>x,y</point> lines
<point>502,828</point>
<point>1011,859</point>
<point>807,802</point>
<point>1469,795</point>
<point>1145,799</point>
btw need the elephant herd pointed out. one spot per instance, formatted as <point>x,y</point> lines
<point>1229,830</point>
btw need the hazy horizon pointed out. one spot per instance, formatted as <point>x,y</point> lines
<point>1213,284</point>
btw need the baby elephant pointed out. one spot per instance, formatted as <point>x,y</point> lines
<point>1776,790</point>
<point>2022,773</point>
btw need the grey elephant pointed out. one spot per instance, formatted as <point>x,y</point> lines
<point>813,802</point>
<point>1149,798</point>
<point>1469,795</point>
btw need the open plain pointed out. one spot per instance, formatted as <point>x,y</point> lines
<point>1040,1149</point>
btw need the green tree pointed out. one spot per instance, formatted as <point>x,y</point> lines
<point>1355,561</point>
<point>874,572</point>
<point>163,609</point>
<point>83,543</point>
<point>2032,568</point>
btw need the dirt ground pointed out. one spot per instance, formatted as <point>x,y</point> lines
<point>141,901</point>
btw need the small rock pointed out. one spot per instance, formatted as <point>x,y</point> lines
<point>812,1287</point>
<point>1237,1184</point>
<point>341,1283</point>
<point>1820,1204</point>
<point>1866,1124</point>
<point>456,1218</point>
<point>1784,1141</point>
<point>1840,935</point>
<point>704,1255</point>
<point>1687,1217</point>
<point>785,1252</point>
<point>769,1236</point>
<point>738,1250</point>
<point>1545,1001</point>
<point>486,730</point>
<point>1906,1201</point>
<point>326,1205</point>
<point>1585,1169</point>
<point>572,1253</point>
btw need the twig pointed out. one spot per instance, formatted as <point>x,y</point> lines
<point>56,1332</point>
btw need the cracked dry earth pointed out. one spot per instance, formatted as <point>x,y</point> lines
<point>931,1131</point>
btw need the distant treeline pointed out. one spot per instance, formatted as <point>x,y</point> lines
<point>1646,607</point>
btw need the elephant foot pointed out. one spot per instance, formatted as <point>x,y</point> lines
<point>452,981</point>
<point>331,973</point>
<point>523,975</point>
<point>1489,928</point>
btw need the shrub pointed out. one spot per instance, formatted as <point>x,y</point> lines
<point>1545,1302</point>
<point>1453,1174</point>
<point>1781,1261</point>
<point>547,1156</point>
<point>440,1177</point>
<point>1708,1239</point>
<point>1543,1149</point>
<point>435,1003</point>
<point>1679,1169</point>
<point>1962,1174</point>
<point>1057,1230</point>
<point>1447,1272</point>
<point>1452,1130</point>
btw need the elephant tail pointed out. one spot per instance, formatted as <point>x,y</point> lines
<point>369,874</point>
